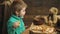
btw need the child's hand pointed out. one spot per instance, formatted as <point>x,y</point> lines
<point>16,24</point>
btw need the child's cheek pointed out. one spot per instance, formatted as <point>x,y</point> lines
<point>23,13</point>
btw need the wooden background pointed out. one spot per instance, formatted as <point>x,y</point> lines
<point>39,7</point>
<point>35,7</point>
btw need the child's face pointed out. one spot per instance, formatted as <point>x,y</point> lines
<point>22,12</point>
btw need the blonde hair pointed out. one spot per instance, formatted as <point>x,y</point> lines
<point>17,6</point>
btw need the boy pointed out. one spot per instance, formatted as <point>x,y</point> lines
<point>15,24</point>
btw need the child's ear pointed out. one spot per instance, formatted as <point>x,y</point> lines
<point>16,12</point>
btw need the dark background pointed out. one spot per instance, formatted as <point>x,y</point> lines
<point>35,7</point>
<point>39,7</point>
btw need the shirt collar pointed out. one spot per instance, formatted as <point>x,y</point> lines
<point>16,17</point>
